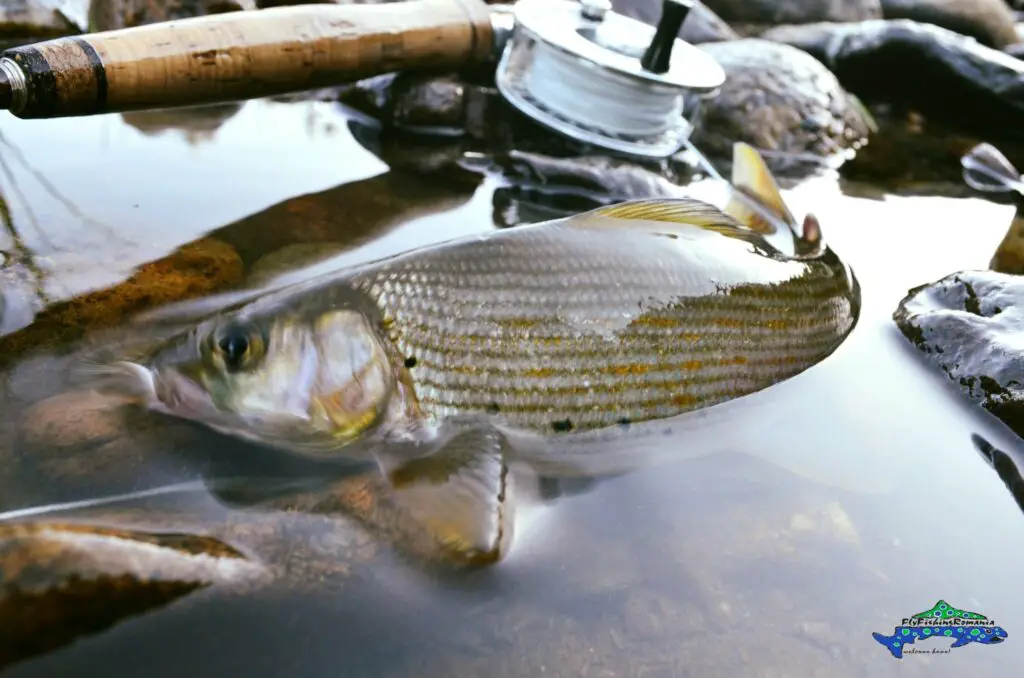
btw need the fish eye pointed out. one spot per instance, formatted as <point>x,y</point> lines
<point>237,346</point>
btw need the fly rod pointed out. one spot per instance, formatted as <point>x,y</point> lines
<point>241,55</point>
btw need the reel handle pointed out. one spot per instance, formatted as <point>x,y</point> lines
<point>658,56</point>
<point>240,55</point>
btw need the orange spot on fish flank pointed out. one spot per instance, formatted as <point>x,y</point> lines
<point>692,365</point>
<point>735,360</point>
<point>727,322</point>
<point>684,400</point>
<point>777,324</point>
<point>656,321</point>
<point>691,337</point>
<point>541,372</point>
<point>630,369</point>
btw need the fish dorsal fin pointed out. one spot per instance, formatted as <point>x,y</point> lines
<point>678,211</point>
<point>754,182</point>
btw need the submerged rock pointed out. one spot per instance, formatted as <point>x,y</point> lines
<point>62,582</point>
<point>990,22</point>
<point>779,98</point>
<point>945,76</point>
<point>194,270</point>
<point>969,325</point>
<point>752,13</point>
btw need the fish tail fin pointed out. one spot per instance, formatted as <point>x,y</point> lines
<point>756,201</point>
<point>987,170</point>
<point>890,642</point>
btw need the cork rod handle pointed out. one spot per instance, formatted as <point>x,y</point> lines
<point>240,55</point>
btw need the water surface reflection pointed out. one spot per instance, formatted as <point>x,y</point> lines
<point>851,498</point>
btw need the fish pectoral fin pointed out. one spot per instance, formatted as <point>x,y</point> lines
<point>962,640</point>
<point>756,201</point>
<point>460,490</point>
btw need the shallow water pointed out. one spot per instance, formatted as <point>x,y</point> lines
<point>851,499</point>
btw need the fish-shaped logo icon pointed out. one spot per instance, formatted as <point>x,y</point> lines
<point>943,620</point>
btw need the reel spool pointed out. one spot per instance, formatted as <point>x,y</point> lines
<point>604,79</point>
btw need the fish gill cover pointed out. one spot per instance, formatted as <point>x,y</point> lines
<point>941,621</point>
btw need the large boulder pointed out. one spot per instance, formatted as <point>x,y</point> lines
<point>945,76</point>
<point>971,326</point>
<point>765,13</point>
<point>778,98</point>
<point>990,22</point>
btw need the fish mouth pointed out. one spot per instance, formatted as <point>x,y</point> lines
<point>997,639</point>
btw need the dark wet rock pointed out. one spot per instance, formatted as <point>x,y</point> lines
<point>41,19</point>
<point>197,269</point>
<point>25,21</point>
<point>112,14</point>
<point>752,14</point>
<point>945,76</point>
<point>605,178</point>
<point>63,582</point>
<point>988,21</point>
<point>910,155</point>
<point>544,187</point>
<point>779,98</point>
<point>968,324</point>
<point>446,105</point>
<point>701,25</point>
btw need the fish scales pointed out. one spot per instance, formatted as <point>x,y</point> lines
<point>550,325</point>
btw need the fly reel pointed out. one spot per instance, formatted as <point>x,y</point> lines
<point>604,79</point>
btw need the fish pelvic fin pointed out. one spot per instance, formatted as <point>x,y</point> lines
<point>891,643</point>
<point>460,490</point>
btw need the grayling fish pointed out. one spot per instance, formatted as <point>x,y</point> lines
<point>569,347</point>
